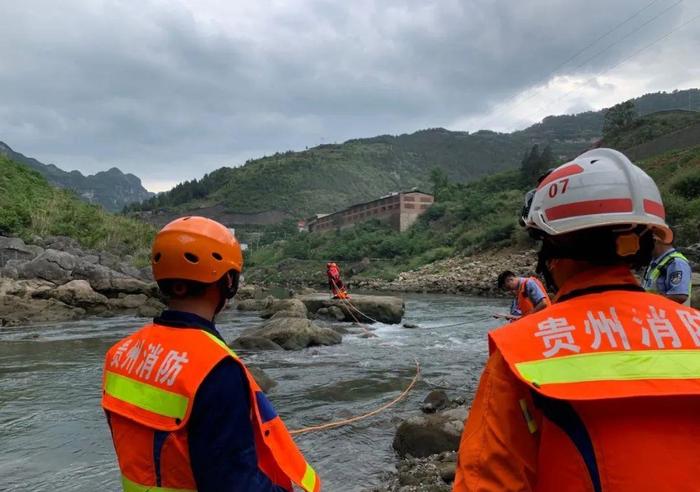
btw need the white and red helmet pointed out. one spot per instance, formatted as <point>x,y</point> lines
<point>599,188</point>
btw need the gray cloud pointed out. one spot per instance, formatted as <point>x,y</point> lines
<point>170,90</point>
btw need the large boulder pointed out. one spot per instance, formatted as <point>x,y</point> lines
<point>254,304</point>
<point>52,265</point>
<point>15,310</point>
<point>287,308</point>
<point>254,343</point>
<point>249,292</point>
<point>13,248</point>
<point>78,293</point>
<point>436,400</point>
<point>423,435</point>
<point>366,309</point>
<point>295,333</point>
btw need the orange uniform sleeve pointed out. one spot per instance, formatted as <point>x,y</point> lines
<point>499,445</point>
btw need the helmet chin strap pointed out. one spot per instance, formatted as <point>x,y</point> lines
<point>228,286</point>
<point>543,270</point>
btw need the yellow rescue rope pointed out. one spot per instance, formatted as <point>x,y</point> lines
<point>340,423</point>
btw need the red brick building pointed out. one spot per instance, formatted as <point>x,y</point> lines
<point>399,210</point>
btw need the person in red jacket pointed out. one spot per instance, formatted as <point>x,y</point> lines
<point>601,391</point>
<point>335,283</point>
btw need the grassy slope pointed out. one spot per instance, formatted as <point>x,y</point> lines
<point>29,206</point>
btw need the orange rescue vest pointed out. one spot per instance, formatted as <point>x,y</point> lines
<point>150,382</point>
<point>523,302</point>
<point>622,369</point>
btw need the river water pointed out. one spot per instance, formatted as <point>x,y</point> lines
<point>53,435</point>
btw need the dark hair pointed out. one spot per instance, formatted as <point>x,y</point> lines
<point>178,289</point>
<point>503,277</point>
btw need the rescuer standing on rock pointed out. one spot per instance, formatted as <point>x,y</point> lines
<point>600,391</point>
<point>338,290</point>
<point>530,295</point>
<point>184,412</point>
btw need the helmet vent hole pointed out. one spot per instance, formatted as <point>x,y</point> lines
<point>594,161</point>
<point>156,258</point>
<point>191,258</point>
<point>217,256</point>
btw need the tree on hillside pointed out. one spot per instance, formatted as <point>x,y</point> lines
<point>534,164</point>
<point>440,182</point>
<point>618,118</point>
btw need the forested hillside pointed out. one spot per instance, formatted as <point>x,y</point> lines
<point>30,206</point>
<point>330,177</point>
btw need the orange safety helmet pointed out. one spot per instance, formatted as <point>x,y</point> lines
<point>197,249</point>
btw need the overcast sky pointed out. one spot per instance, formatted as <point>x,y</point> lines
<point>171,89</point>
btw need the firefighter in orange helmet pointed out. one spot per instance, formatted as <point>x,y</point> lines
<point>600,391</point>
<point>184,412</point>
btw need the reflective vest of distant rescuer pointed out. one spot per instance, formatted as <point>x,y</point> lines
<point>523,305</point>
<point>598,393</point>
<point>151,379</point>
<point>669,274</point>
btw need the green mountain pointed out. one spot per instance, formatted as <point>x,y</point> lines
<point>30,206</point>
<point>331,177</point>
<point>112,189</point>
<point>482,215</point>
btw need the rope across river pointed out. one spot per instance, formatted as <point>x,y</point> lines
<point>357,418</point>
<point>376,411</point>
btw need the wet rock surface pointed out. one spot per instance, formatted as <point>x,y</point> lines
<point>286,308</point>
<point>294,333</point>
<point>431,474</point>
<point>254,343</point>
<point>424,435</point>
<point>363,308</point>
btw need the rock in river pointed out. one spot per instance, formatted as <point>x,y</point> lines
<point>265,382</point>
<point>384,309</point>
<point>292,308</point>
<point>254,343</point>
<point>294,333</point>
<point>423,435</point>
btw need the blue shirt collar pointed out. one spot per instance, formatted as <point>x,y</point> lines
<point>182,319</point>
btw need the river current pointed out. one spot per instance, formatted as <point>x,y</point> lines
<point>53,434</point>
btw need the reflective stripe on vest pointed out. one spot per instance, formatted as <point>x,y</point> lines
<point>129,486</point>
<point>164,403</point>
<point>651,276</point>
<point>613,366</point>
<point>146,396</point>
<point>612,344</point>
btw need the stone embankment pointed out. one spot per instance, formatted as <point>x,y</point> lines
<point>471,275</point>
<point>55,280</point>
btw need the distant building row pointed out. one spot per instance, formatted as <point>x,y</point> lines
<point>399,210</point>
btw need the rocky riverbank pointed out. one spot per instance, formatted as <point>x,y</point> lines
<point>54,279</point>
<point>471,275</point>
<point>426,445</point>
